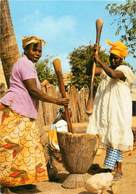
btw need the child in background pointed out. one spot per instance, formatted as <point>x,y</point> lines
<point>60,125</point>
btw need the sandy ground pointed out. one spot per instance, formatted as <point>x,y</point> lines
<point>126,185</point>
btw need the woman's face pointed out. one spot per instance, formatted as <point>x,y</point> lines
<point>34,52</point>
<point>115,61</point>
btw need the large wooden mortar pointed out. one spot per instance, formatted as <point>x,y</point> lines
<point>78,151</point>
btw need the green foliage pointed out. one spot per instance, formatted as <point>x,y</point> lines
<point>81,62</point>
<point>45,71</point>
<point>126,22</point>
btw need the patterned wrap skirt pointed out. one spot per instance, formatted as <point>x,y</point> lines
<point>21,153</point>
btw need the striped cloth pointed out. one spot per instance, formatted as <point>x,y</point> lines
<point>112,156</point>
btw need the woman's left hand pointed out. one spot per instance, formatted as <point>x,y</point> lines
<point>96,58</point>
<point>45,83</point>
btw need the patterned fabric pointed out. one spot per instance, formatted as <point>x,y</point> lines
<point>21,154</point>
<point>52,138</point>
<point>60,126</point>
<point>26,40</point>
<point>118,48</point>
<point>112,156</point>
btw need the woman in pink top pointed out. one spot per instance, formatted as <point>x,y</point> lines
<point>22,161</point>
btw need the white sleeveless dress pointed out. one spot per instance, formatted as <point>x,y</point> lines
<point>112,113</point>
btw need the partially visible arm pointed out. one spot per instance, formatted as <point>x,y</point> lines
<point>98,70</point>
<point>31,86</point>
<point>115,74</point>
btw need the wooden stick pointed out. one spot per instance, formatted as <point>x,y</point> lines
<point>89,106</point>
<point>58,70</point>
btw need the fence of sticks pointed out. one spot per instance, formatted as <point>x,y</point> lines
<point>47,111</point>
<point>78,99</point>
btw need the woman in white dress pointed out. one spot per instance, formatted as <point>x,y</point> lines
<point>112,113</point>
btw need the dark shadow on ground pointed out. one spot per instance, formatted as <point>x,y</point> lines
<point>95,169</point>
<point>7,191</point>
<point>59,178</point>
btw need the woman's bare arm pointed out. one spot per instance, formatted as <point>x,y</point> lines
<point>98,70</point>
<point>31,86</point>
<point>115,74</point>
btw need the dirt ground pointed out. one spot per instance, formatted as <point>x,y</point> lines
<point>126,185</point>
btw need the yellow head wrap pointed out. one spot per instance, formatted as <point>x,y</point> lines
<point>26,40</point>
<point>118,48</point>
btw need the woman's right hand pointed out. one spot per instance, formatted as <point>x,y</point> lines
<point>63,101</point>
<point>96,48</point>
